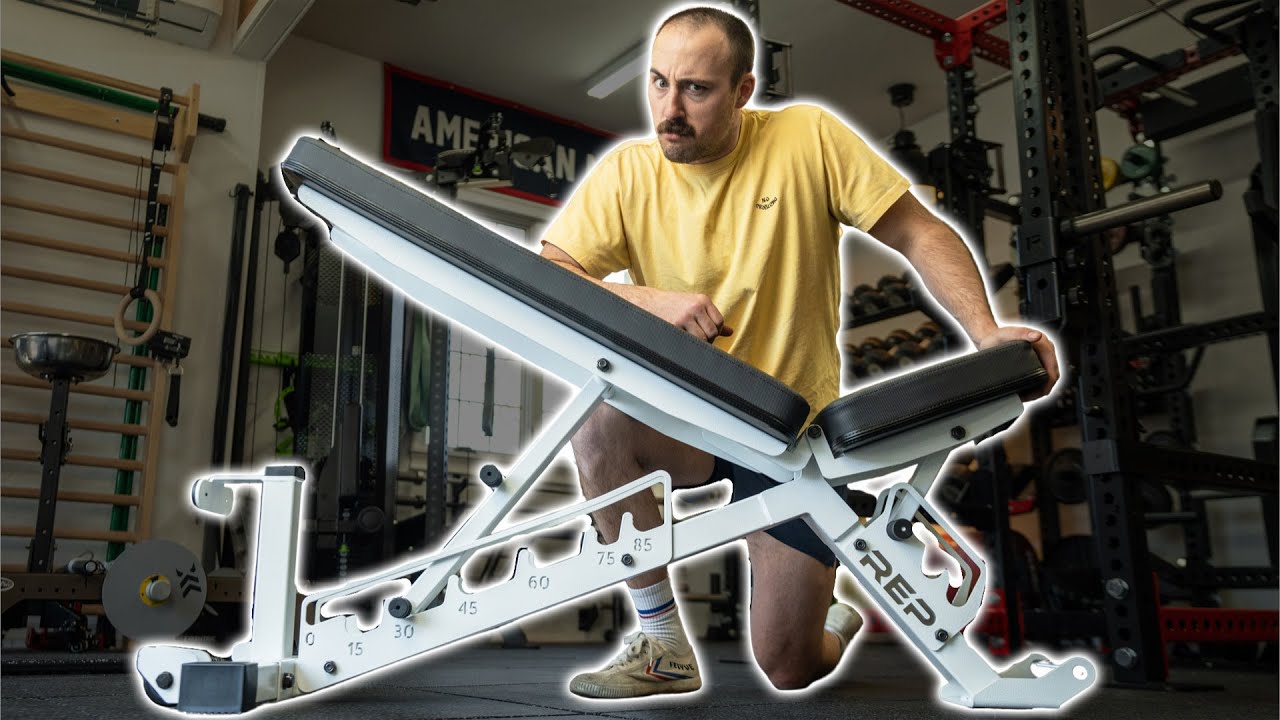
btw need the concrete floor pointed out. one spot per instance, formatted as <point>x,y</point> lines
<point>880,681</point>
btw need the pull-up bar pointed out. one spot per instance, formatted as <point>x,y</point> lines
<point>955,40</point>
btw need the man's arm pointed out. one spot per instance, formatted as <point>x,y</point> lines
<point>630,293</point>
<point>695,314</point>
<point>943,261</point>
<point>947,268</point>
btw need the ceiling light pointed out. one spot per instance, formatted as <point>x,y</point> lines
<point>625,68</point>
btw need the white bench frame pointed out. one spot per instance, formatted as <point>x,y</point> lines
<point>299,652</point>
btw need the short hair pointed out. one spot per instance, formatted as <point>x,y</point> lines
<point>742,48</point>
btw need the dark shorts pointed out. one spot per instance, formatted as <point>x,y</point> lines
<point>793,533</point>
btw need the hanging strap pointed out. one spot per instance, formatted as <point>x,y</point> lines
<point>420,374</point>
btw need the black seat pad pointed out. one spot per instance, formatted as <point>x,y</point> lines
<point>890,407</point>
<point>698,367</point>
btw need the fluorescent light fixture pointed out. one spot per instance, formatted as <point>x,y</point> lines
<point>265,28</point>
<point>626,67</point>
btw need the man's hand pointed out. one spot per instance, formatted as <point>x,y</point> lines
<point>695,314</point>
<point>1043,348</point>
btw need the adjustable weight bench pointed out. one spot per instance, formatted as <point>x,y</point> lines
<point>618,354</point>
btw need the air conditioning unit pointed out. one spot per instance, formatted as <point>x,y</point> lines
<point>266,26</point>
<point>186,22</point>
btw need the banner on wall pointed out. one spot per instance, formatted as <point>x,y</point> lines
<point>423,116</point>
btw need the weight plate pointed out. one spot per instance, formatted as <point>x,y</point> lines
<point>1064,471</point>
<point>1164,438</point>
<point>1139,161</point>
<point>152,564</point>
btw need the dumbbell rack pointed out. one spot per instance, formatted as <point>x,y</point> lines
<point>944,340</point>
<point>915,303</point>
<point>918,302</point>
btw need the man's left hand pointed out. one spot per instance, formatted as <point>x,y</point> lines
<point>1043,348</point>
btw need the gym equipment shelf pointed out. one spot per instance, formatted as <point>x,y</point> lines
<point>917,303</point>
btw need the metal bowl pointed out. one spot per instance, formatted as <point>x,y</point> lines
<point>57,356</point>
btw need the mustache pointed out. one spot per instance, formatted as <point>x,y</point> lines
<point>676,126</point>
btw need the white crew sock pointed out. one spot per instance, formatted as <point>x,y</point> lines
<point>659,616</point>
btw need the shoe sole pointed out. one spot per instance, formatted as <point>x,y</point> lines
<point>593,690</point>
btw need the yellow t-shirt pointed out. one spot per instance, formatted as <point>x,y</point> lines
<point>757,231</point>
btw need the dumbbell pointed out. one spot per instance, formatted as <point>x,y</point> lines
<point>853,307</point>
<point>871,344</point>
<point>875,354</point>
<point>856,364</point>
<point>904,347</point>
<point>898,336</point>
<point>855,368</point>
<point>868,300</point>
<point>929,338</point>
<point>896,291</point>
<point>850,352</point>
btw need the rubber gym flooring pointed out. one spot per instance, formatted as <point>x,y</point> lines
<point>882,681</point>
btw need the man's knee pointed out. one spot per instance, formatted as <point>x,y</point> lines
<point>600,428</point>
<point>604,440</point>
<point>788,666</point>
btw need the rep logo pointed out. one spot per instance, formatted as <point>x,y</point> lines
<point>898,589</point>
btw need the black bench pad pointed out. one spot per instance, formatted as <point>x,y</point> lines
<point>890,407</point>
<point>698,367</point>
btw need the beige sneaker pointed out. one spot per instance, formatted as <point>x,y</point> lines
<point>843,621</point>
<point>645,666</point>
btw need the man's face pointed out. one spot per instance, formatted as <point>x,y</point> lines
<point>692,96</point>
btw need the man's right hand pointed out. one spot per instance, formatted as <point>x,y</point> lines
<point>693,313</point>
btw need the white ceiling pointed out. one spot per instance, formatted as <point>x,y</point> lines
<point>541,52</point>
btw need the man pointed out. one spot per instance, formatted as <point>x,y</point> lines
<point>729,222</point>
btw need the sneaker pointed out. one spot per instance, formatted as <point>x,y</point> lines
<point>645,666</point>
<point>843,621</point>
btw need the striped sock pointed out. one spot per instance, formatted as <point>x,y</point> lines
<point>659,617</point>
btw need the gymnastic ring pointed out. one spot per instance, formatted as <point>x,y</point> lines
<point>154,298</point>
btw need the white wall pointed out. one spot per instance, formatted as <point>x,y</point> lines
<point>298,97</point>
<point>231,88</point>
